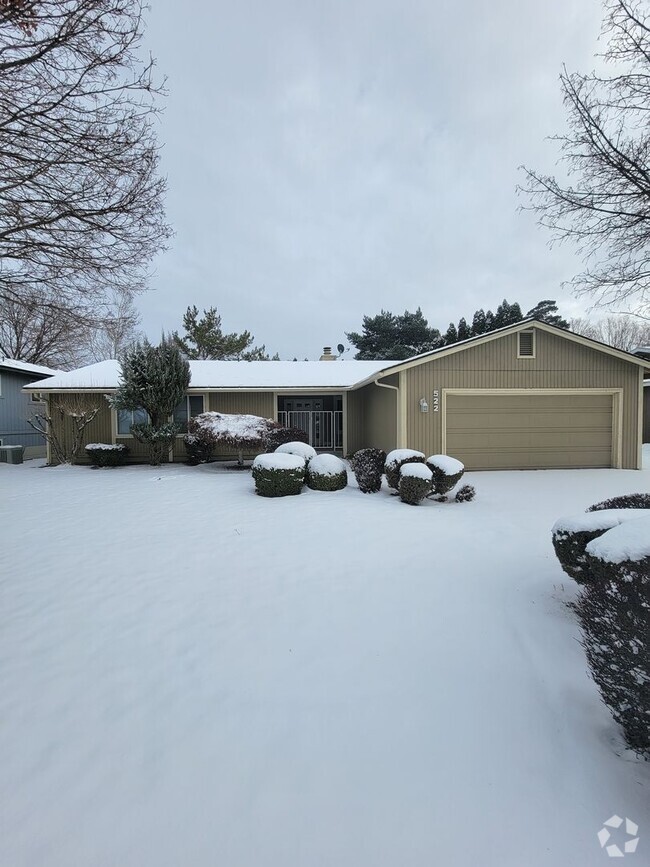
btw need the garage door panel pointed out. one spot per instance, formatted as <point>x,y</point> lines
<point>496,431</point>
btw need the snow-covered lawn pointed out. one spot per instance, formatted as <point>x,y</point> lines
<point>193,675</point>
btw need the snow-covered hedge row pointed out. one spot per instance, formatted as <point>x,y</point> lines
<point>326,473</point>
<point>107,454</point>
<point>278,474</point>
<point>246,433</point>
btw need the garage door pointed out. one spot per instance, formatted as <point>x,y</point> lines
<point>529,431</point>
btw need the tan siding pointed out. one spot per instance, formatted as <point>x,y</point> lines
<point>98,431</point>
<point>355,400</point>
<point>558,363</point>
<point>646,414</point>
<point>376,423</point>
<point>251,402</point>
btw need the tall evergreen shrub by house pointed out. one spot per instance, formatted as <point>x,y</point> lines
<point>368,467</point>
<point>153,378</point>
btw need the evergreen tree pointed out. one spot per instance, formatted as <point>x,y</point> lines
<point>547,311</point>
<point>463,330</point>
<point>386,336</point>
<point>155,379</point>
<point>204,339</point>
<point>478,323</point>
<point>451,335</point>
<point>489,321</point>
<point>507,314</point>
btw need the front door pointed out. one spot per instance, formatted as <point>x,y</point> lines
<point>307,414</point>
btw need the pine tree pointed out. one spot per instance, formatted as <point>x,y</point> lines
<point>547,311</point>
<point>478,323</point>
<point>463,330</point>
<point>204,339</point>
<point>451,335</point>
<point>155,379</point>
<point>386,336</point>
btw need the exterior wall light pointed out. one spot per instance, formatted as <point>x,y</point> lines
<point>424,406</point>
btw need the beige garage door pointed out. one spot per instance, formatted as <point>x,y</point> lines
<point>529,431</point>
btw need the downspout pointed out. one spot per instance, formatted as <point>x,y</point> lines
<point>397,401</point>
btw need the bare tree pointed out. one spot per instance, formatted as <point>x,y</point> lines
<point>622,332</point>
<point>75,412</point>
<point>81,201</point>
<point>58,336</point>
<point>604,206</point>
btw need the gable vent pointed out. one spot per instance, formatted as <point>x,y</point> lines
<point>526,344</point>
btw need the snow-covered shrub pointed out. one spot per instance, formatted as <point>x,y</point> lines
<point>573,533</point>
<point>614,613</point>
<point>302,450</point>
<point>414,483</point>
<point>465,494</point>
<point>107,454</point>
<point>368,466</point>
<point>326,473</point>
<point>625,501</point>
<point>278,475</point>
<point>281,435</point>
<point>395,460</point>
<point>446,473</point>
<point>200,442</point>
<point>242,432</point>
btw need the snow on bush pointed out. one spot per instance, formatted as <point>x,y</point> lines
<point>326,473</point>
<point>107,454</point>
<point>211,429</point>
<point>368,466</point>
<point>572,534</point>
<point>395,460</point>
<point>447,472</point>
<point>278,474</point>
<point>414,483</point>
<point>614,613</point>
<point>625,501</point>
<point>282,435</point>
<point>303,450</point>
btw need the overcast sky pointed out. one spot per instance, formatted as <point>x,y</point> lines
<point>326,160</point>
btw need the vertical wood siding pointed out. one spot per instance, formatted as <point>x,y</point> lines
<point>558,363</point>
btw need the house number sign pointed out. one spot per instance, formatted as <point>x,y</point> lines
<point>436,401</point>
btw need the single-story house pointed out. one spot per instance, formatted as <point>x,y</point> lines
<point>16,405</point>
<point>527,396</point>
<point>646,411</point>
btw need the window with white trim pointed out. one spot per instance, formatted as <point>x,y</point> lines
<point>128,417</point>
<point>189,407</point>
<point>526,345</point>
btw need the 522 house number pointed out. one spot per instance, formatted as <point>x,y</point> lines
<point>436,401</point>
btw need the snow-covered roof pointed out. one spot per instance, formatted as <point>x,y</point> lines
<point>231,375</point>
<point>24,367</point>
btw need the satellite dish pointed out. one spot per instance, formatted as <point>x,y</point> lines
<point>341,349</point>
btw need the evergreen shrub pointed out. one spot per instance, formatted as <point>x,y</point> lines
<point>625,501</point>
<point>368,467</point>
<point>395,460</point>
<point>465,494</point>
<point>282,435</point>
<point>326,473</point>
<point>107,454</point>
<point>278,475</point>
<point>414,483</point>
<point>446,473</point>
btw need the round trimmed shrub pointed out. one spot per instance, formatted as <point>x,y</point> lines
<point>368,466</point>
<point>614,613</point>
<point>326,473</point>
<point>107,454</point>
<point>625,501</point>
<point>446,472</point>
<point>301,450</point>
<point>282,435</point>
<point>414,483</point>
<point>572,534</point>
<point>278,475</point>
<point>395,460</point>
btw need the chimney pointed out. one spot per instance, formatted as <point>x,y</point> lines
<point>327,354</point>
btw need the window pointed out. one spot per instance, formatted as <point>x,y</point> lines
<point>36,398</point>
<point>526,344</point>
<point>128,417</point>
<point>189,407</point>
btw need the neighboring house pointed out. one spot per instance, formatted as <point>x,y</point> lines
<point>16,406</point>
<point>646,411</point>
<point>527,396</point>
